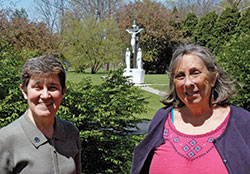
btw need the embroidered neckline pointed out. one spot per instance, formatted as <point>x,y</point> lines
<point>173,128</point>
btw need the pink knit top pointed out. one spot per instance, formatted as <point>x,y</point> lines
<point>188,154</point>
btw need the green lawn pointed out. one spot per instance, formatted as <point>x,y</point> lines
<point>153,105</point>
<point>77,77</point>
<point>163,88</point>
<point>159,82</point>
<point>156,81</point>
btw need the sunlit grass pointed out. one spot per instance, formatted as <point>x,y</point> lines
<point>153,105</point>
<point>77,77</point>
<point>156,79</point>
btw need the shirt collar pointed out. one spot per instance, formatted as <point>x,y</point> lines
<point>35,136</point>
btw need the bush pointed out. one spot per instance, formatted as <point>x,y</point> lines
<point>104,113</point>
<point>12,104</point>
<point>235,59</point>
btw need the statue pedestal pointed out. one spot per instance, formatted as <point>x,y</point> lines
<point>135,75</point>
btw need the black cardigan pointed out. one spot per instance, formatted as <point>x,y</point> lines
<point>233,145</point>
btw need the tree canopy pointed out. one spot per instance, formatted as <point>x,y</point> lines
<point>89,43</point>
<point>224,28</point>
<point>203,31</point>
<point>26,36</point>
<point>189,25</point>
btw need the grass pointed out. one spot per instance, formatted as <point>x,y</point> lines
<point>156,81</point>
<point>163,88</point>
<point>159,82</point>
<point>153,105</point>
<point>77,77</point>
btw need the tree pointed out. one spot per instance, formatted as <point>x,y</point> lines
<point>224,28</point>
<point>244,22</point>
<point>51,12</point>
<point>189,24</point>
<point>90,44</point>
<point>20,14</point>
<point>234,57</point>
<point>240,4</point>
<point>203,30</point>
<point>159,35</point>
<point>103,9</point>
<point>26,36</point>
<point>198,7</point>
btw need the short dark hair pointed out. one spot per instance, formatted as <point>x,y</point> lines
<point>223,89</point>
<point>43,65</point>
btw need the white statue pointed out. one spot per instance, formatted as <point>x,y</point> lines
<point>127,58</point>
<point>133,33</point>
<point>136,73</point>
<point>139,59</point>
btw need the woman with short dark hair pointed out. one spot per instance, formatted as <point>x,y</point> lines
<point>38,142</point>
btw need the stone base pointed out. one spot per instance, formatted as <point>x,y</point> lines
<point>135,75</point>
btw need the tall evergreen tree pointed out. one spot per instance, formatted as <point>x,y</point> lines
<point>224,28</point>
<point>189,24</point>
<point>234,57</point>
<point>203,31</point>
<point>244,22</point>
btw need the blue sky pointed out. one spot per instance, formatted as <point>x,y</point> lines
<point>28,5</point>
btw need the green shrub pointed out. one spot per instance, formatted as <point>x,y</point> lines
<point>12,104</point>
<point>104,113</point>
<point>235,59</point>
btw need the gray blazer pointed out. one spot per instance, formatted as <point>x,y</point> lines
<point>25,150</point>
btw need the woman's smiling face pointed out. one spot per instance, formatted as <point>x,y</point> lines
<point>44,95</point>
<point>192,81</point>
